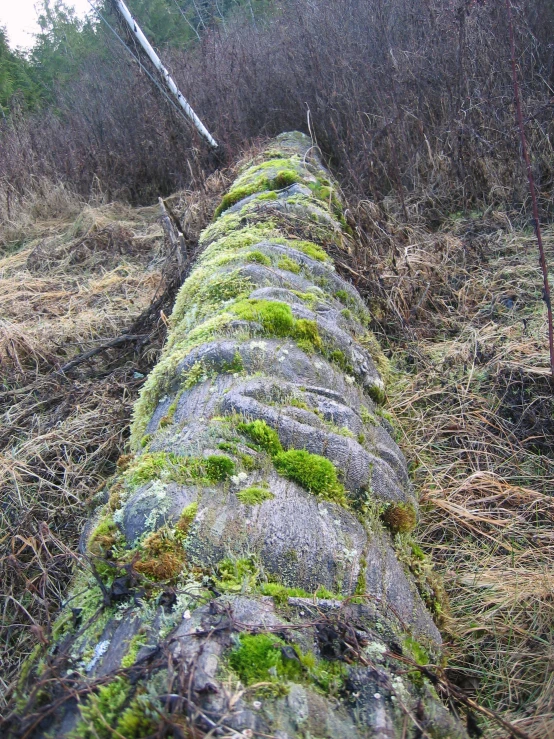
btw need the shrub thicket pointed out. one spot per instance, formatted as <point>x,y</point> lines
<point>409,97</point>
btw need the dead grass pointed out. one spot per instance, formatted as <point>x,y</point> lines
<point>78,280</point>
<point>462,316</point>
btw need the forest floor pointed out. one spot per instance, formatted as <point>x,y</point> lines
<point>459,312</point>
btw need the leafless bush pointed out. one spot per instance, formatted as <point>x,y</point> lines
<point>406,97</point>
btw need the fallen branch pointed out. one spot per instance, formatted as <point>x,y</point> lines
<point>107,345</point>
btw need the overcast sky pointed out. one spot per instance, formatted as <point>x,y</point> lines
<point>19,17</point>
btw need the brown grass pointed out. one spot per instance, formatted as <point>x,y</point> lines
<point>462,316</point>
<point>77,281</point>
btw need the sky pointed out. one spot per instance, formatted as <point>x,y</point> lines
<point>19,17</point>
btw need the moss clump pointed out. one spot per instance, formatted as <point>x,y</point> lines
<point>138,720</point>
<point>263,658</point>
<point>147,467</point>
<point>219,467</point>
<point>289,265</point>
<point>102,710</point>
<point>104,715</point>
<point>186,519</point>
<point>263,436</point>
<point>400,518</point>
<point>172,468</point>
<point>306,334</point>
<point>103,538</point>
<point>237,575</point>
<point>311,249</point>
<point>275,317</point>
<point>281,594</point>
<point>258,258</point>
<point>339,357</point>
<point>416,650</point>
<point>259,658</point>
<point>254,495</point>
<point>138,641</point>
<point>162,556</point>
<point>314,473</point>
<point>249,184</point>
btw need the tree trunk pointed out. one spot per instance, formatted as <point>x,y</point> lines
<point>251,572</point>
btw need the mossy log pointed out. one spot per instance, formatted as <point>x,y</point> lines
<point>250,569</point>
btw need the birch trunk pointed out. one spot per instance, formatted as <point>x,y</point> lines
<point>168,79</point>
<point>254,574</point>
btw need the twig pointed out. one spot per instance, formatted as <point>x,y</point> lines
<point>532,190</point>
<point>107,345</point>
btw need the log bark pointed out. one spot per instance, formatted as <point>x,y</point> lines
<point>250,571</point>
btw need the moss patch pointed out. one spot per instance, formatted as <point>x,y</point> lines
<point>400,518</point>
<point>254,495</point>
<point>314,473</point>
<point>263,436</point>
<point>263,658</point>
<point>170,467</point>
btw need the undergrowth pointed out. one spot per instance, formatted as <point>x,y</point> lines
<point>68,284</point>
<point>461,316</point>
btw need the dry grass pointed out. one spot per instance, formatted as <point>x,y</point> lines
<point>78,280</point>
<point>471,395</point>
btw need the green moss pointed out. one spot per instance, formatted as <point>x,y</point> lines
<point>104,715</point>
<point>275,317</point>
<point>172,468</point>
<point>219,467</point>
<point>258,258</point>
<point>338,357</point>
<point>307,334</point>
<point>368,417</point>
<point>138,641</point>
<point>361,581</point>
<point>322,592</point>
<point>259,658</point>
<point>257,180</point>
<point>263,436</point>
<point>237,575</point>
<point>139,720</point>
<point>227,446</point>
<point>400,518</point>
<point>289,264</point>
<point>186,519</point>
<point>101,711</point>
<point>254,495</point>
<point>310,249</point>
<point>281,594</point>
<point>146,439</point>
<point>416,650</point>
<point>314,473</point>
<point>248,462</point>
<point>263,658</point>
<point>147,467</point>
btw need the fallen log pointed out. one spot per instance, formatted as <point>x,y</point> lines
<point>250,571</point>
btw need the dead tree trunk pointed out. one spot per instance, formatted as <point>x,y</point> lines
<point>251,572</point>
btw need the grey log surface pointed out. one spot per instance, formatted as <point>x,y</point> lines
<point>250,567</point>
